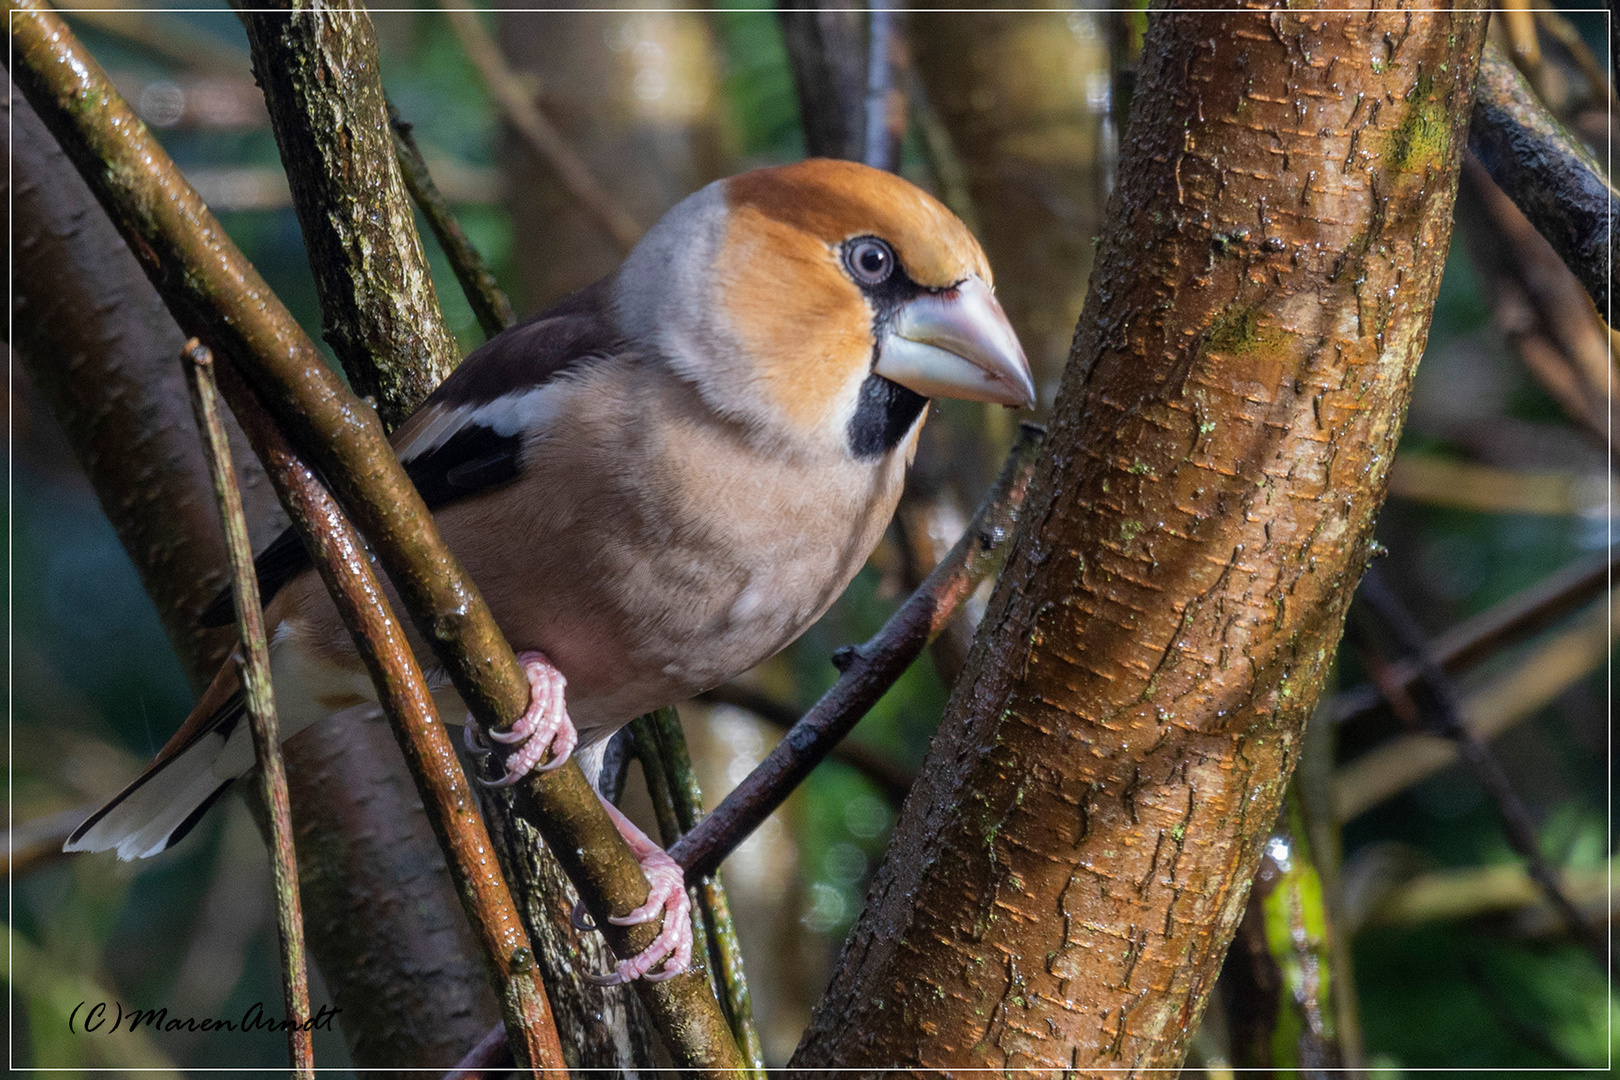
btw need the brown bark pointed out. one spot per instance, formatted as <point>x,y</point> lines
<point>1016,91</point>
<point>1065,880</point>
<point>318,68</point>
<point>382,918</point>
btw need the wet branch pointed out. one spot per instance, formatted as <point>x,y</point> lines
<point>253,662</point>
<point>1447,711</point>
<point>218,296</point>
<point>868,670</point>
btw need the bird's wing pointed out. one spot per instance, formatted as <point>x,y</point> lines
<point>467,437</point>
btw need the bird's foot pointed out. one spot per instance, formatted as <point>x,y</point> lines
<point>671,951</point>
<point>544,726</point>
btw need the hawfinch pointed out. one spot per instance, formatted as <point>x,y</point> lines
<point>656,484</point>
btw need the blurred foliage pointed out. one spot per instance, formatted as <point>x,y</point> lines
<point>95,690</point>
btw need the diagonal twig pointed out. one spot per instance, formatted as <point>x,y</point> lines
<point>893,778</point>
<point>483,292</point>
<point>1447,711</point>
<point>1511,621</point>
<point>253,662</point>
<point>517,104</point>
<point>868,670</point>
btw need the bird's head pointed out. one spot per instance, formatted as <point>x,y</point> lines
<point>823,302</point>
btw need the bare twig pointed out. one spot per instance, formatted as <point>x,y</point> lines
<point>1546,670</point>
<point>868,670</point>
<point>829,65</point>
<point>1539,305</point>
<point>1448,711</point>
<point>483,292</point>
<point>894,779</point>
<point>1512,621</point>
<point>253,663</point>
<point>517,104</point>
<point>1480,890</point>
<point>1546,171</point>
<point>217,295</point>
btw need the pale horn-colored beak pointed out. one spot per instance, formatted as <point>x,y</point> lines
<point>957,344</point>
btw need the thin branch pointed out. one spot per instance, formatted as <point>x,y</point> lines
<point>253,663</point>
<point>344,566</point>
<point>666,748</point>
<point>890,776</point>
<point>1546,171</point>
<point>824,51</point>
<point>1546,670</point>
<point>483,292</point>
<point>1539,305</point>
<point>870,669</point>
<point>517,104</point>
<point>885,109</point>
<point>1447,703</point>
<point>1513,620</point>
<point>217,295</point>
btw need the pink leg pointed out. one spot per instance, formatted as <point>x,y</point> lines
<point>545,726</point>
<point>671,950</point>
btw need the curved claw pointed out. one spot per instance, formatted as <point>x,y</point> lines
<point>580,918</point>
<point>470,739</point>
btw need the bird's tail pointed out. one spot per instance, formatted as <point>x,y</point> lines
<point>166,801</point>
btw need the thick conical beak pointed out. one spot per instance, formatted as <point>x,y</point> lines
<point>957,344</point>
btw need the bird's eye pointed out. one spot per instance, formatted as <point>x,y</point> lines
<point>870,260</point>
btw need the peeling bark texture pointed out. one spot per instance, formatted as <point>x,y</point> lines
<point>1065,879</point>
<point>319,71</point>
<point>383,921</point>
<point>104,351</point>
<point>637,94</point>
<point>1014,91</point>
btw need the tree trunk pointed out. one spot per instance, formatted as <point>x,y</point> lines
<point>383,921</point>
<point>1065,880</point>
